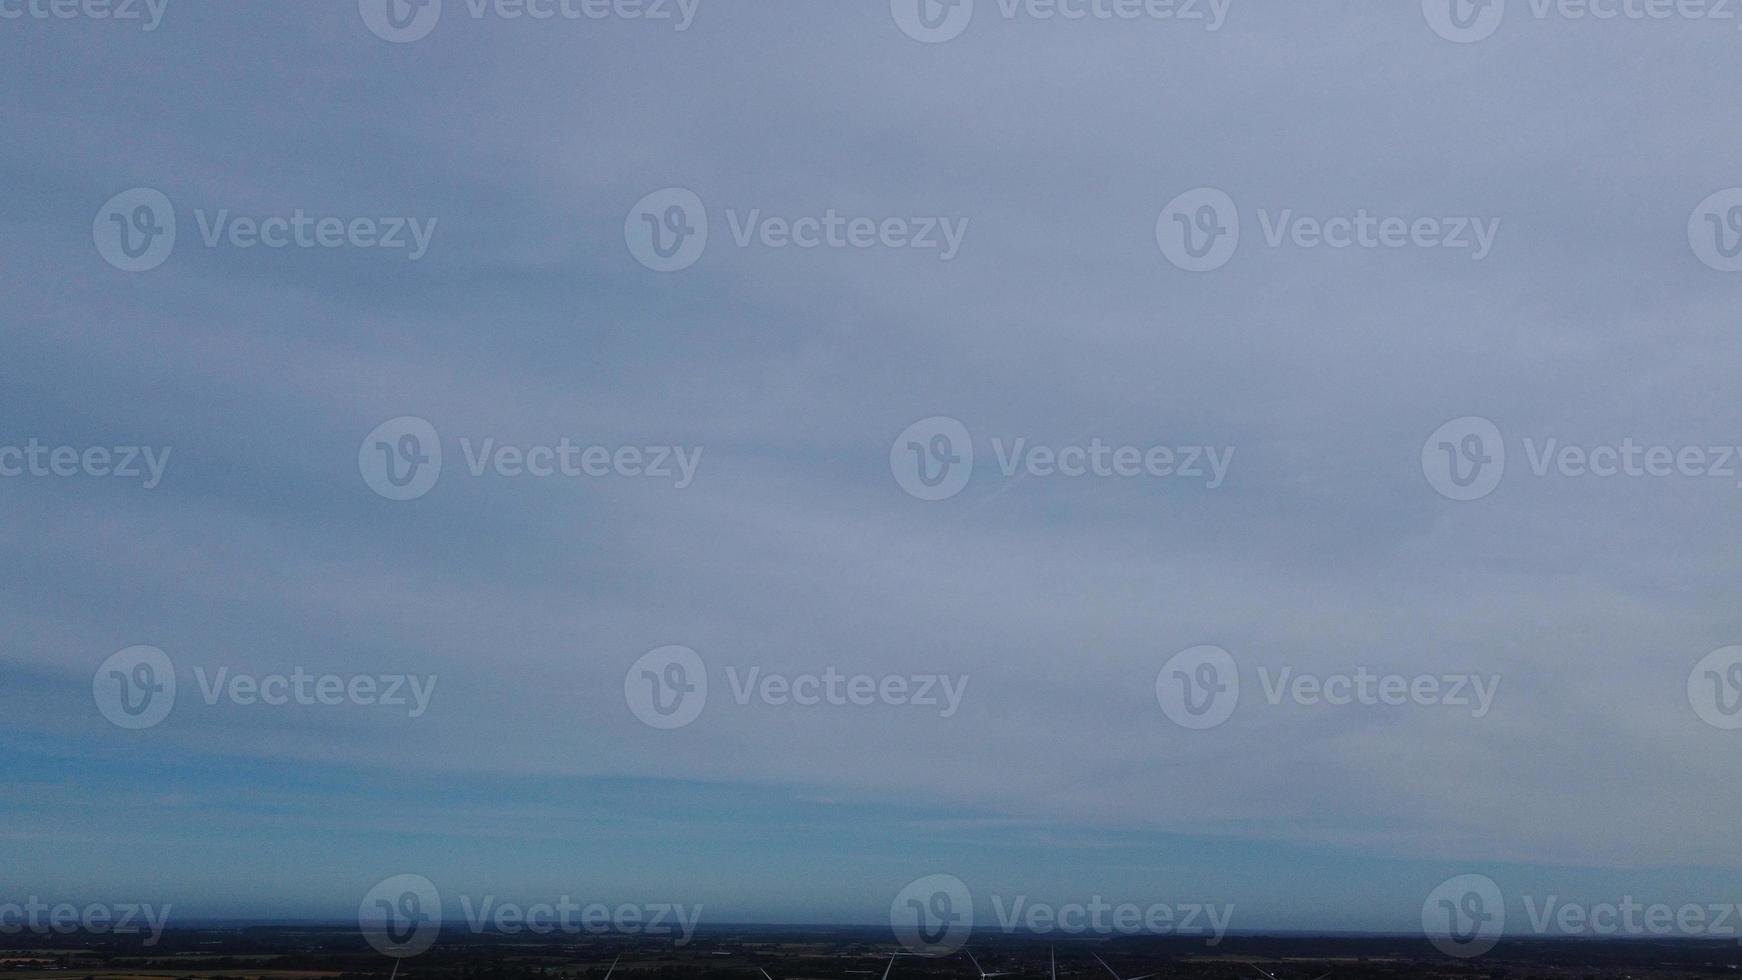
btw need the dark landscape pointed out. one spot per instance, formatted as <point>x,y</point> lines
<point>277,952</point>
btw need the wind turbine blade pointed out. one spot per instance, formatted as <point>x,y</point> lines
<point>891,965</point>
<point>1053,954</point>
<point>765,973</point>
<point>974,961</point>
<point>1110,970</point>
<point>613,967</point>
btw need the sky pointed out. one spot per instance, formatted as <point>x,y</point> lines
<point>996,208</point>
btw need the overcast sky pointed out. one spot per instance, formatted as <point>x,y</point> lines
<point>526,150</point>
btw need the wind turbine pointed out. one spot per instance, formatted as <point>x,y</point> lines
<point>983,974</point>
<point>1116,976</point>
<point>613,968</point>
